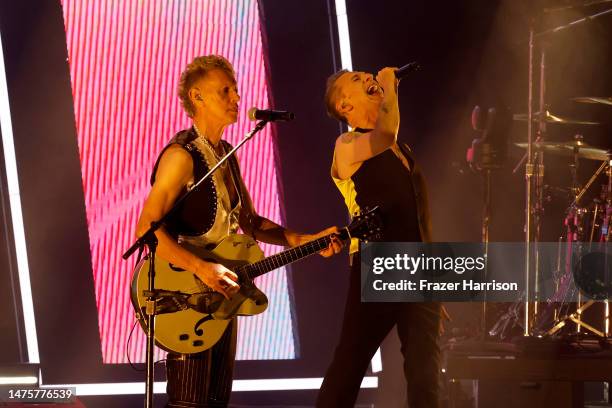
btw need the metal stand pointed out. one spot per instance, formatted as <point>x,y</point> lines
<point>528,181</point>
<point>149,240</point>
<point>486,218</point>
<point>539,182</point>
<point>487,153</point>
<point>573,223</point>
<point>605,239</point>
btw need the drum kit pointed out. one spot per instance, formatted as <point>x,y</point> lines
<point>586,224</point>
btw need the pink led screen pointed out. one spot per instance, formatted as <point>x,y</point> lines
<point>125,60</point>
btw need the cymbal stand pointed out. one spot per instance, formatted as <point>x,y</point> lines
<point>539,180</point>
<point>577,235</point>
<point>605,237</point>
<point>528,182</point>
<point>534,177</point>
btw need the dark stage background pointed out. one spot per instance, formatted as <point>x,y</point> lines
<point>472,52</point>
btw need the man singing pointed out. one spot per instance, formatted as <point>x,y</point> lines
<point>371,169</point>
<point>208,93</point>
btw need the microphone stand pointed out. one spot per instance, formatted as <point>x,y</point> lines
<point>149,240</point>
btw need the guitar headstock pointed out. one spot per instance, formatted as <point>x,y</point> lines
<point>367,225</point>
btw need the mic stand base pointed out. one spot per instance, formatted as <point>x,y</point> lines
<point>151,241</point>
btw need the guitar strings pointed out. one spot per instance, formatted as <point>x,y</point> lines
<point>257,268</point>
<point>267,264</point>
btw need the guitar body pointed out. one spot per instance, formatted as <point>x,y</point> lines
<point>197,323</point>
<point>190,317</point>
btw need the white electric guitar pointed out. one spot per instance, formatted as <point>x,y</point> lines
<point>191,317</point>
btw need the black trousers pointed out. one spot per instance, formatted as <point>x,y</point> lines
<point>364,327</point>
<point>205,379</point>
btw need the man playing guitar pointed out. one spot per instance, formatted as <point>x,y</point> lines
<point>209,95</point>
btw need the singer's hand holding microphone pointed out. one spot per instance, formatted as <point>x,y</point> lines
<point>387,79</point>
<point>391,76</point>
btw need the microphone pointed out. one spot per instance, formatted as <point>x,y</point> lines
<point>476,119</point>
<point>406,69</point>
<point>270,115</point>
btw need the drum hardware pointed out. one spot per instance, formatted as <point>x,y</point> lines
<point>536,147</point>
<point>582,227</point>
<point>534,166</point>
<point>594,99</point>
<point>585,151</point>
<point>576,317</point>
<point>575,6</point>
<point>590,182</point>
<point>583,224</point>
<point>550,118</point>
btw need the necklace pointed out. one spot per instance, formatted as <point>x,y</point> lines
<point>210,145</point>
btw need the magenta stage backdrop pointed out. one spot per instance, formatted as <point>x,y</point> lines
<point>125,61</point>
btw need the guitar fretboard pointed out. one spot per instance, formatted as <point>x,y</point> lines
<point>270,263</point>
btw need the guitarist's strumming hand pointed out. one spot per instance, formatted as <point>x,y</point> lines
<point>333,248</point>
<point>218,278</point>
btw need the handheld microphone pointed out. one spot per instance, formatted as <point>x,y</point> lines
<point>406,69</point>
<point>270,115</point>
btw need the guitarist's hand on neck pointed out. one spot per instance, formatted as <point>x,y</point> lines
<point>333,248</point>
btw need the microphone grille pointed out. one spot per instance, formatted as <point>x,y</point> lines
<point>253,113</point>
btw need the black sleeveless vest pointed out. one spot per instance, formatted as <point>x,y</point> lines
<point>384,181</point>
<point>196,215</point>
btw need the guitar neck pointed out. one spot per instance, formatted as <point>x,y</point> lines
<point>288,256</point>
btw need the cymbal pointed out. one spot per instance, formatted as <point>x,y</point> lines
<point>550,118</point>
<point>594,99</point>
<point>575,6</point>
<point>567,149</point>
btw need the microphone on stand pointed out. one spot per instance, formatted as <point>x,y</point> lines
<point>270,115</point>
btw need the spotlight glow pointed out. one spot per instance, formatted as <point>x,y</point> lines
<point>18,380</point>
<point>12,179</point>
<point>377,362</point>
<point>343,35</point>
<point>276,384</point>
